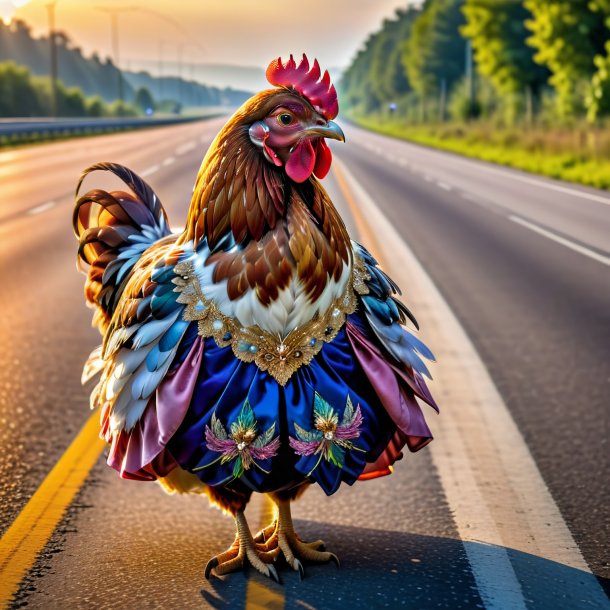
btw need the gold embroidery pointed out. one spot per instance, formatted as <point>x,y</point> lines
<point>279,356</point>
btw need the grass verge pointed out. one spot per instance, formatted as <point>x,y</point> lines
<point>573,154</point>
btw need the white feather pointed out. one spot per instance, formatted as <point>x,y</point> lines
<point>290,310</point>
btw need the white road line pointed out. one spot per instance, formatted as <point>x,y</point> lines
<point>42,208</point>
<point>168,161</point>
<point>500,503</point>
<point>150,170</point>
<point>600,258</point>
<point>444,186</point>
<point>184,148</point>
<point>479,165</point>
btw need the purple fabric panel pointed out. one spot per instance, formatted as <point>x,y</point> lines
<point>399,403</point>
<point>163,415</point>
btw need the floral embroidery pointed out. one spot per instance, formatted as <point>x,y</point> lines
<point>242,445</point>
<point>330,439</point>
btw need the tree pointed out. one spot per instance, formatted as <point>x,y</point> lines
<point>434,54</point>
<point>96,107</point>
<point>17,92</point>
<point>354,87</point>
<point>499,39</point>
<point>144,100</point>
<point>387,74</point>
<point>598,97</point>
<point>567,36</point>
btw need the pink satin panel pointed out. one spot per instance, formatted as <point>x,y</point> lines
<point>396,390</point>
<point>140,453</point>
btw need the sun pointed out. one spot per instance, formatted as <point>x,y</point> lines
<point>7,9</point>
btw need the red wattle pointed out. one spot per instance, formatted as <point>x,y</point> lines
<point>323,159</point>
<point>301,162</point>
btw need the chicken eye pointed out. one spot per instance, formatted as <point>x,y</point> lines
<point>285,118</point>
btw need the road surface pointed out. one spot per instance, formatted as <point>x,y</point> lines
<point>520,263</point>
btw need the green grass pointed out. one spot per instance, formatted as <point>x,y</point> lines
<point>576,154</point>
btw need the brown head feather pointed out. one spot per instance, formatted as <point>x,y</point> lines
<point>282,227</point>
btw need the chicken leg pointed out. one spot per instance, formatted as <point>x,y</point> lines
<point>244,550</point>
<point>280,535</point>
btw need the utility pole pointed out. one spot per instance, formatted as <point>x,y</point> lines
<point>53,43</point>
<point>161,43</point>
<point>443,100</point>
<point>180,48</point>
<point>114,13</point>
<point>470,78</point>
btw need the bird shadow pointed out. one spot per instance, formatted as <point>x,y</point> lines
<point>382,569</point>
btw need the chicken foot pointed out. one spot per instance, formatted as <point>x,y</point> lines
<point>244,550</point>
<point>280,535</point>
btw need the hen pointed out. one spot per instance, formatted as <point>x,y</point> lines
<point>261,350</point>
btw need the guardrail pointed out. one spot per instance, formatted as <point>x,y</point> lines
<point>20,131</point>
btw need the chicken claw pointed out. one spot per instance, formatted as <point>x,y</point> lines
<point>243,550</point>
<point>280,536</point>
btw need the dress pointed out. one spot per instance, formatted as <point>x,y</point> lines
<point>344,412</point>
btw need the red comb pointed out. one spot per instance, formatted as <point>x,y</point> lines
<point>320,93</point>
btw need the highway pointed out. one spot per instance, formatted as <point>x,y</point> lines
<point>509,276</point>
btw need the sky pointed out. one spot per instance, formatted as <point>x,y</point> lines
<point>239,32</point>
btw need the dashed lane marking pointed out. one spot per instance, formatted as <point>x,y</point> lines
<point>39,209</point>
<point>34,525</point>
<point>185,148</point>
<point>150,170</point>
<point>600,258</point>
<point>499,171</point>
<point>168,161</point>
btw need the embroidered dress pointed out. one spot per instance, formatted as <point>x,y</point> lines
<point>332,409</point>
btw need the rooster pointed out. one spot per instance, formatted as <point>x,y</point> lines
<point>260,350</point>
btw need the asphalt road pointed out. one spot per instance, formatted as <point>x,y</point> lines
<point>520,260</point>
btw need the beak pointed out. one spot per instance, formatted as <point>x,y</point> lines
<point>330,130</point>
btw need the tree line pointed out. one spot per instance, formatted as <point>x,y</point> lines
<point>88,86</point>
<point>472,58</point>
<point>24,95</point>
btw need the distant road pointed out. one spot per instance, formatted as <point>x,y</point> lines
<point>523,263</point>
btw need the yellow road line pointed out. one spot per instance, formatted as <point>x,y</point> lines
<point>261,597</point>
<point>31,530</point>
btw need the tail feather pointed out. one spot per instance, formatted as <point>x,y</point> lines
<point>114,230</point>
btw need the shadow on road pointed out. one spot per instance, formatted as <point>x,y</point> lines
<point>382,569</point>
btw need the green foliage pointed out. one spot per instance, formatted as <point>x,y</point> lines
<point>377,76</point>
<point>99,76</point>
<point>598,97</point>
<point>96,107</point>
<point>499,39</point>
<point>144,100</point>
<point>18,95</point>
<point>547,150</point>
<point>435,51</point>
<point>24,95</point>
<point>120,108</point>
<point>567,35</point>
<point>460,104</point>
<point>542,58</point>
